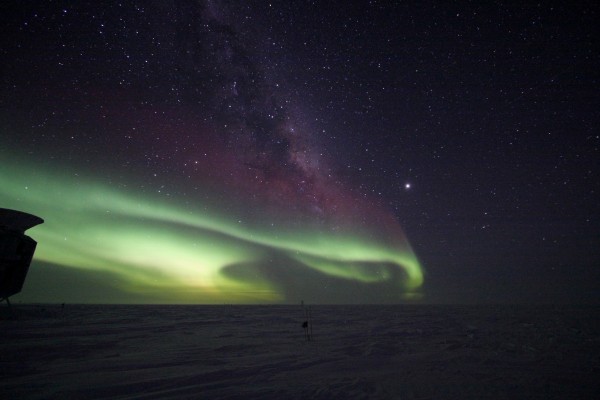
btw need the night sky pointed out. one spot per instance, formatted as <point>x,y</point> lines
<point>268,152</point>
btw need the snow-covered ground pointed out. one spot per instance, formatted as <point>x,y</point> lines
<point>358,352</point>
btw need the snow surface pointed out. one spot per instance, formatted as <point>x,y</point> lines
<point>358,352</point>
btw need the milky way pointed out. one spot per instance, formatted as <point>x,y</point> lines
<point>275,151</point>
<point>165,151</point>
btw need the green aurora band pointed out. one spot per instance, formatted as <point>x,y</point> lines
<point>158,245</point>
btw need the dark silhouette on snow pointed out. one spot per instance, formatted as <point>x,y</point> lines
<point>16,250</point>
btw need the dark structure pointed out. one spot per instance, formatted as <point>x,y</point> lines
<point>16,250</point>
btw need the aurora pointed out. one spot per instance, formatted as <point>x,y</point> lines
<point>197,253</point>
<point>183,170</point>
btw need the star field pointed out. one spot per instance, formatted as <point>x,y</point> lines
<point>359,152</point>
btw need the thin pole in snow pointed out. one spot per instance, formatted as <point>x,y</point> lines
<point>307,324</point>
